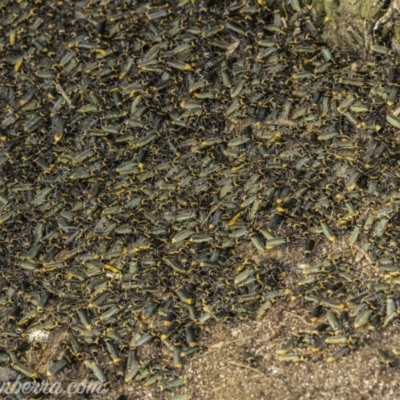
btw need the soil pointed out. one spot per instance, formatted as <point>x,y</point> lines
<point>224,371</point>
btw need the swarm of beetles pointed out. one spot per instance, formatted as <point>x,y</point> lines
<point>158,158</point>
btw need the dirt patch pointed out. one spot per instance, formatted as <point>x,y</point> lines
<point>223,372</point>
<point>240,361</point>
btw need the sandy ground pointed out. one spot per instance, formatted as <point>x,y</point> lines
<point>223,370</point>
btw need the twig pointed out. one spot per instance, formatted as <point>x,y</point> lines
<point>212,349</point>
<point>298,316</point>
<point>247,367</point>
<point>63,94</point>
<point>366,255</point>
<point>212,210</point>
